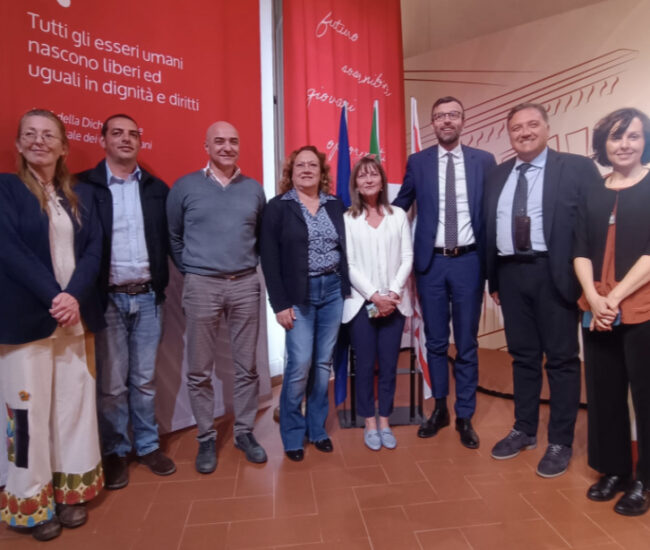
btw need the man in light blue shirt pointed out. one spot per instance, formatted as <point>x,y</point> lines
<point>530,211</point>
<point>133,277</point>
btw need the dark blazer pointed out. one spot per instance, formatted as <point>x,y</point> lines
<point>285,254</point>
<point>27,282</point>
<point>632,228</point>
<point>421,185</point>
<point>153,194</point>
<point>566,178</point>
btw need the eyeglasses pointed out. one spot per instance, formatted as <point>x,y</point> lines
<point>31,137</point>
<point>303,165</point>
<point>451,115</point>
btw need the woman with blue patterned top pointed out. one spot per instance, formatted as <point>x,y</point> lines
<point>304,262</point>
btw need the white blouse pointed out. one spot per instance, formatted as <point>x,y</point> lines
<point>62,251</point>
<point>378,258</point>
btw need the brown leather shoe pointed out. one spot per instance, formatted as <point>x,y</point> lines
<point>158,462</point>
<point>72,516</point>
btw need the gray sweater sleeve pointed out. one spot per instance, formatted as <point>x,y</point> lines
<point>175,222</point>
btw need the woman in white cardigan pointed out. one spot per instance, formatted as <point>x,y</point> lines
<point>380,257</point>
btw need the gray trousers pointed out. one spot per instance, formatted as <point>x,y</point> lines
<point>205,300</point>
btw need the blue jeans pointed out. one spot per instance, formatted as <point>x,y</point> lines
<point>310,344</point>
<point>126,359</point>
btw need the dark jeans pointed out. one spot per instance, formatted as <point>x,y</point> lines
<point>376,341</point>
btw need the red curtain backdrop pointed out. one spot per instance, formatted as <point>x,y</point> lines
<point>174,66</point>
<point>336,51</point>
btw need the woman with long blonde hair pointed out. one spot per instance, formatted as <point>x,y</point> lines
<point>50,247</point>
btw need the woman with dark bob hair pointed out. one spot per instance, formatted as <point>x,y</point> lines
<point>302,248</point>
<point>50,251</point>
<point>380,257</point>
<point>612,262</point>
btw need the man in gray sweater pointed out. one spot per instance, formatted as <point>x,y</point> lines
<point>214,217</point>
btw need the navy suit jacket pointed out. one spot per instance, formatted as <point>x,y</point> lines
<point>27,281</point>
<point>421,185</point>
<point>567,178</point>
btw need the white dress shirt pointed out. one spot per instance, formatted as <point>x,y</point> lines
<point>378,258</point>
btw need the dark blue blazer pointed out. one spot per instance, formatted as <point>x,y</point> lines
<point>567,180</point>
<point>284,251</point>
<point>421,185</point>
<point>27,282</point>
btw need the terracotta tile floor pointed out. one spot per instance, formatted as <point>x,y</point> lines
<point>426,494</point>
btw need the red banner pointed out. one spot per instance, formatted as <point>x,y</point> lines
<point>338,51</point>
<point>174,67</point>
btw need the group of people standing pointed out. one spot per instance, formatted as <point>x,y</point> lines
<point>88,254</point>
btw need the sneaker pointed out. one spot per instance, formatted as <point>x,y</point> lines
<point>116,471</point>
<point>511,445</point>
<point>555,460</point>
<point>206,458</point>
<point>372,439</point>
<point>387,438</point>
<point>158,462</point>
<point>254,451</point>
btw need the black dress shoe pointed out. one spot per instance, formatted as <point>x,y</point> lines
<point>324,445</point>
<point>71,516</point>
<point>439,419</point>
<point>48,530</point>
<point>635,501</point>
<point>296,455</point>
<point>607,487</point>
<point>116,471</point>
<point>468,436</point>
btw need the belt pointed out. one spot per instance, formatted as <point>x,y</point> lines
<point>455,252</point>
<point>131,289</point>
<point>237,274</point>
<point>523,258</point>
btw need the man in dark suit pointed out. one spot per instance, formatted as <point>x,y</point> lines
<point>530,208</point>
<point>446,180</point>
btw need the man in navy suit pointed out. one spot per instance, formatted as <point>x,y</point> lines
<point>531,206</point>
<point>446,180</point>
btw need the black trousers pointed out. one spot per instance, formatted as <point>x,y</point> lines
<point>539,322</point>
<point>614,362</point>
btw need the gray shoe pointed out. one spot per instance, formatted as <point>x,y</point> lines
<point>372,439</point>
<point>511,445</point>
<point>387,438</point>
<point>253,450</point>
<point>555,460</point>
<point>206,459</point>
